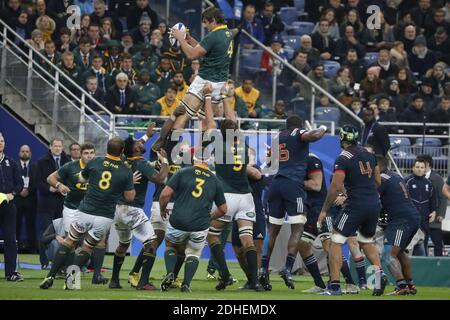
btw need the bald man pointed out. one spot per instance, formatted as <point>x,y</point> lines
<point>26,201</point>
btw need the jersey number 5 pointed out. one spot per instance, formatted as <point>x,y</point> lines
<point>283,152</point>
<point>198,188</point>
<point>365,171</point>
<point>238,165</point>
<point>105,182</point>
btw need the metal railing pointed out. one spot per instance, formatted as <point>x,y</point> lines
<point>51,91</point>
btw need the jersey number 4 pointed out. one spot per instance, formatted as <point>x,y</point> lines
<point>365,169</point>
<point>230,50</point>
<point>105,182</point>
<point>198,188</point>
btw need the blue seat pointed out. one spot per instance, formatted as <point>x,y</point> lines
<point>432,142</point>
<point>400,141</point>
<point>299,5</point>
<point>331,68</point>
<point>122,134</point>
<point>250,60</point>
<point>370,58</point>
<point>401,147</point>
<point>327,114</point>
<point>300,28</point>
<point>289,51</point>
<point>292,41</point>
<point>288,15</point>
<point>434,151</point>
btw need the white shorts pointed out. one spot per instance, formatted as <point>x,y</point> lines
<point>156,220</point>
<point>68,217</point>
<point>133,221</point>
<point>197,85</point>
<point>96,226</point>
<point>192,239</point>
<point>240,207</point>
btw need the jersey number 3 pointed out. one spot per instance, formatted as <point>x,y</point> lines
<point>198,188</point>
<point>105,182</point>
<point>365,171</point>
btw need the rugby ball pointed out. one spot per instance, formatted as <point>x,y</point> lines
<point>174,42</point>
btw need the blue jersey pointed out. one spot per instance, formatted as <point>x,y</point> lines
<point>315,199</point>
<point>395,198</point>
<point>293,155</point>
<point>358,166</point>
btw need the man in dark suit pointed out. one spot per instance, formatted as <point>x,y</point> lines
<point>26,201</point>
<point>50,200</point>
<point>91,86</point>
<point>374,134</point>
<point>121,98</point>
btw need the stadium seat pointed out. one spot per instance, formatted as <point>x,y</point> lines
<point>123,134</point>
<point>401,147</point>
<point>289,51</point>
<point>300,28</point>
<point>299,5</point>
<point>432,142</point>
<point>288,15</point>
<point>370,58</point>
<point>250,60</point>
<point>331,68</point>
<point>101,123</point>
<point>400,141</point>
<point>292,41</point>
<point>327,114</point>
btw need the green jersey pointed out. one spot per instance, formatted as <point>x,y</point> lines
<point>147,171</point>
<point>69,176</point>
<point>219,50</point>
<point>108,178</point>
<point>233,176</point>
<point>195,190</point>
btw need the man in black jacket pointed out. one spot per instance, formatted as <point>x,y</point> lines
<point>322,40</point>
<point>135,13</point>
<point>100,12</point>
<point>415,113</point>
<point>26,201</point>
<point>272,24</point>
<point>91,86</point>
<point>441,114</point>
<point>50,200</point>
<point>121,98</point>
<point>374,133</point>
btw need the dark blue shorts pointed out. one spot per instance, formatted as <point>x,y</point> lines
<point>259,230</point>
<point>399,233</point>
<point>364,220</point>
<point>310,230</point>
<point>286,196</point>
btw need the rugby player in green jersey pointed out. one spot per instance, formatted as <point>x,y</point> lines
<point>67,177</point>
<point>109,178</point>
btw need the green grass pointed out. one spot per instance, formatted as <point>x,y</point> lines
<point>202,288</point>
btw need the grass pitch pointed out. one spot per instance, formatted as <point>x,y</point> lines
<point>202,289</point>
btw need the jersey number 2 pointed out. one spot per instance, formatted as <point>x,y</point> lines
<point>365,171</point>
<point>105,182</point>
<point>198,188</point>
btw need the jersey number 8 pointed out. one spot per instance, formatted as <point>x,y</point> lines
<point>105,182</point>
<point>198,188</point>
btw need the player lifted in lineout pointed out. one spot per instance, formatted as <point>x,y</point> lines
<point>216,48</point>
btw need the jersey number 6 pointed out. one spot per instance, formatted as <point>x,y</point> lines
<point>283,152</point>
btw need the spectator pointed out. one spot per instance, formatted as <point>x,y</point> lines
<point>371,85</point>
<point>177,59</point>
<point>439,77</point>
<point>99,72</point>
<point>440,45</point>
<point>74,151</point>
<point>47,26</point>
<point>121,98</point>
<point>94,35</point>
<point>21,26</point>
<point>86,6</point>
<point>349,41</point>
<point>100,12</point>
<point>351,19</point>
<point>41,10</point>
<point>251,96</point>
<point>324,102</point>
<point>145,58</point>
<point>36,41</point>
<point>51,54</point>
<point>339,9</point>
<point>142,34</point>
<point>70,69</point>
<point>126,66</point>
<point>10,187</point>
<point>360,7</point>
<point>136,12</point>
<point>441,205</point>
<point>356,109</point>
<point>421,58</point>
<point>271,64</point>
<point>357,68</point>
<point>147,92</point>
<point>375,39</point>
<point>406,82</point>
<point>289,78</point>
<point>156,41</point>
<point>26,200</point>
<point>438,21</point>
<point>316,75</point>
<point>426,90</point>
<point>162,75</point>
<point>341,86</point>
<point>91,86</point>
<point>374,134</point>
<point>166,105</point>
<point>253,26</point>
<point>306,47</point>
<point>83,55</point>
<point>415,113</point>
<point>387,68</point>
<point>424,198</point>
<point>441,114</point>
<point>64,43</point>
<point>191,73</point>
<point>50,200</point>
<point>11,11</point>
<point>121,7</point>
<point>408,38</point>
<point>322,40</point>
<point>278,113</point>
<point>127,43</point>
<point>83,31</point>
<point>59,9</point>
<point>107,30</point>
<point>162,26</point>
<point>271,23</point>
<point>329,15</point>
<point>392,90</point>
<point>399,57</point>
<point>422,13</point>
<point>112,56</point>
<point>386,113</point>
<point>182,87</point>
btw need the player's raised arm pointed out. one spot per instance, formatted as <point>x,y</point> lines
<point>161,176</point>
<point>191,52</point>
<point>314,135</point>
